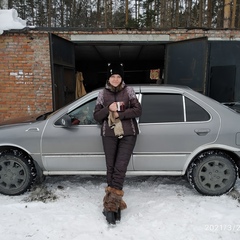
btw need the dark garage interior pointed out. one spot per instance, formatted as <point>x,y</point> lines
<point>91,60</point>
<point>138,59</point>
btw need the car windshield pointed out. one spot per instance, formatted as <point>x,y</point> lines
<point>49,114</point>
<point>43,116</point>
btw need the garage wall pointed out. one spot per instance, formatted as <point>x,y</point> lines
<point>226,54</point>
<point>25,69</point>
<point>25,75</point>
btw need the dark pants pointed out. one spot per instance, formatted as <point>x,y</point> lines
<point>118,153</point>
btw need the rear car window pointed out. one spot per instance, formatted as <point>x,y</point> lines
<point>194,112</point>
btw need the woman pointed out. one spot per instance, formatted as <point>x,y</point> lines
<point>116,109</point>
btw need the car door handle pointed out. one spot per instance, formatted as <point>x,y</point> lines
<point>202,131</point>
<point>32,129</point>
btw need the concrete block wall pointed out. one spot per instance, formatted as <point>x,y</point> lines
<point>25,75</point>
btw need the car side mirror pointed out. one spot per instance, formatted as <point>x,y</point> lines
<point>65,121</point>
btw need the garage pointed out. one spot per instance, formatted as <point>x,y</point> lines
<point>147,59</point>
<point>90,54</point>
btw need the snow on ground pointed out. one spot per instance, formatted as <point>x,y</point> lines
<point>161,208</point>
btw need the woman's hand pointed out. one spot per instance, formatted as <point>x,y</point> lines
<point>113,107</point>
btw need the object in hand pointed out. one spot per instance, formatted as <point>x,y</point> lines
<point>120,106</point>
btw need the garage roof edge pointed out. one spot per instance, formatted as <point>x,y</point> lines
<point>119,38</point>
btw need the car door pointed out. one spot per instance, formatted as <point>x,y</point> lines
<point>172,126</point>
<point>73,148</point>
<point>77,148</point>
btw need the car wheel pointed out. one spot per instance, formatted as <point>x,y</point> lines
<point>213,173</point>
<point>17,173</point>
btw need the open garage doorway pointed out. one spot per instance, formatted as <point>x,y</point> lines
<point>141,55</point>
<point>147,59</point>
<point>138,58</point>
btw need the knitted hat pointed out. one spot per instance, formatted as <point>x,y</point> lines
<point>115,68</point>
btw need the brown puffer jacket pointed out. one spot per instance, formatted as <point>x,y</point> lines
<point>133,109</point>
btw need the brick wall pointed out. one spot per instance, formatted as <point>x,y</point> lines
<point>25,75</point>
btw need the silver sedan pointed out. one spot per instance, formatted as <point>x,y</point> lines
<point>182,132</point>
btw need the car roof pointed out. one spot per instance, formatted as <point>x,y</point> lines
<point>156,87</point>
<point>166,88</point>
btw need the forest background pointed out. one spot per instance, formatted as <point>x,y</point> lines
<point>138,14</point>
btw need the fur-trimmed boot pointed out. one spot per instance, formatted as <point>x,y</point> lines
<point>113,204</point>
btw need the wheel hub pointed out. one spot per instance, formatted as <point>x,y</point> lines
<point>9,174</point>
<point>215,175</point>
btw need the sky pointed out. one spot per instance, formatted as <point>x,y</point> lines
<point>9,20</point>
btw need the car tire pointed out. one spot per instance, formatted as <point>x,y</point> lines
<point>213,173</point>
<point>17,173</point>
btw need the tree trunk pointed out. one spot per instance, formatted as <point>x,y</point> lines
<point>209,13</point>
<point>106,13</point>
<point>238,18</point>
<point>49,13</point>
<point>200,18</point>
<point>126,10</point>
<point>177,14</point>
<point>10,4</point>
<point>98,20</point>
<point>234,13</point>
<point>136,10</point>
<point>227,13</point>
<point>163,12</point>
<point>189,7</point>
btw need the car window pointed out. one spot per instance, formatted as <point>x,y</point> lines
<point>157,108</point>
<point>83,115</point>
<point>194,112</point>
